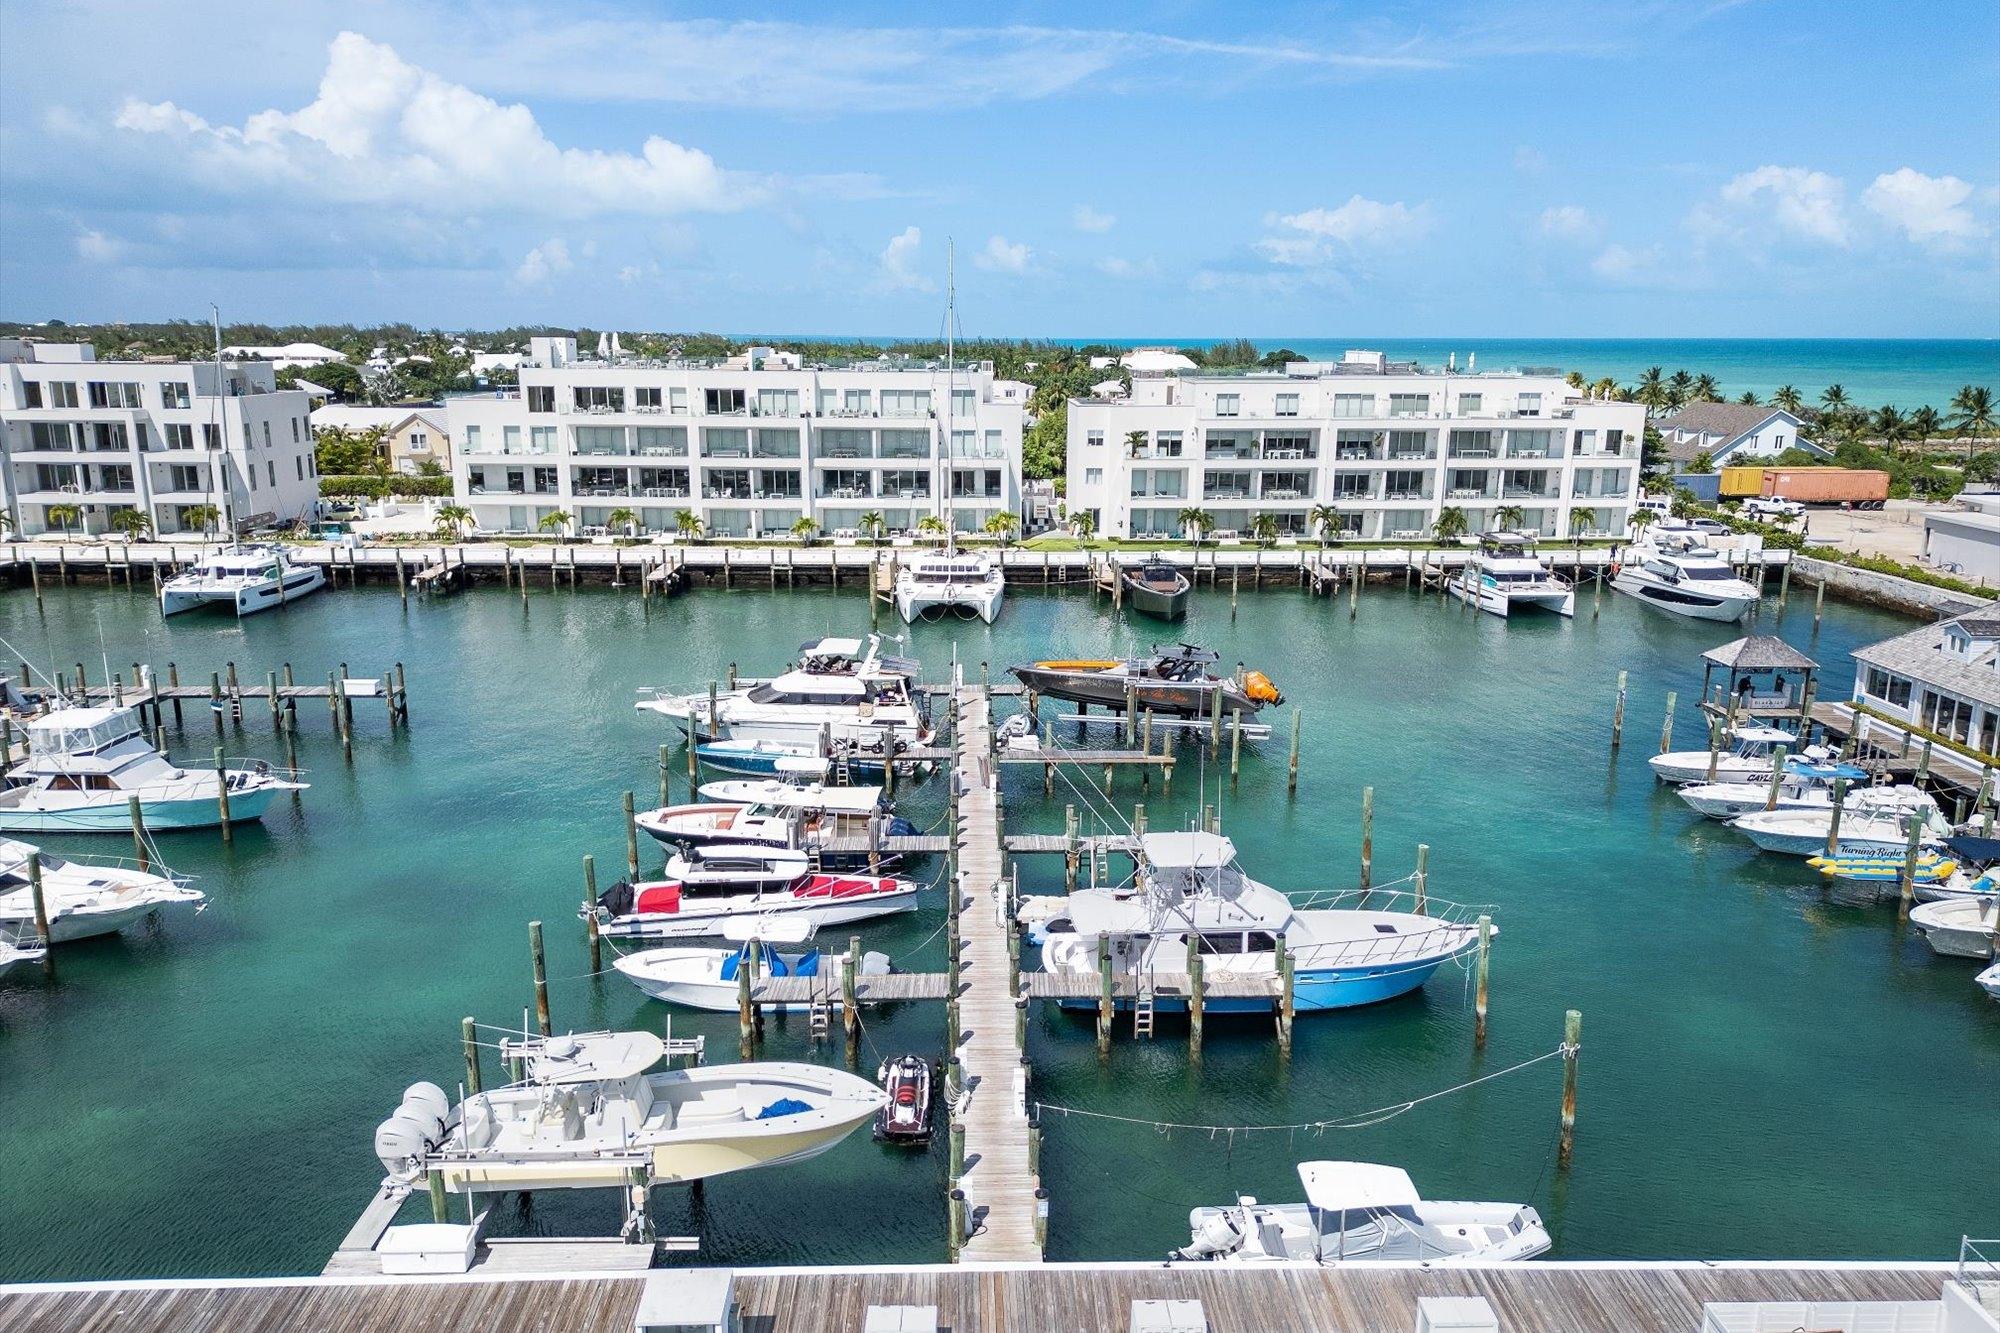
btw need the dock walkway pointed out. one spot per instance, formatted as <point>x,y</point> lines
<point>998,1182</point>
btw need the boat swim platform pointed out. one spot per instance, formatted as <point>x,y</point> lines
<point>913,987</point>
<point>1536,1297</point>
<point>495,1256</point>
<point>1017,844</point>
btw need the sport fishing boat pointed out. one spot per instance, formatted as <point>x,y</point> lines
<point>1156,589</point>
<point>20,952</point>
<point>933,584</point>
<point>1675,570</point>
<point>1190,897</point>
<point>792,762</point>
<point>1505,573</point>
<point>1360,1210</point>
<point>672,909</point>
<point>1965,927</point>
<point>1804,832</point>
<point>1747,758</point>
<point>1172,681</point>
<point>839,692</point>
<point>589,1113</point>
<point>1805,786</point>
<point>86,764</point>
<point>906,1116</point>
<point>708,978</point>
<point>81,901</point>
<point>721,868</point>
<point>780,814</point>
<point>246,579</point>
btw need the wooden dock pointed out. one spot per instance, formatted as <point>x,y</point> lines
<point>998,1181</point>
<point>1529,1298</point>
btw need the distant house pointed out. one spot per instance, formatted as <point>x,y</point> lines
<point>1729,431</point>
<point>1148,361</point>
<point>1943,677</point>
<point>291,356</point>
<point>411,436</point>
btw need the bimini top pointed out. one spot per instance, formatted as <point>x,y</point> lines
<point>1764,735</point>
<point>594,1057</point>
<point>831,647</point>
<point>1189,850</point>
<point>1338,1187</point>
<point>1979,851</point>
<point>81,730</point>
<point>1806,768</point>
<point>834,800</point>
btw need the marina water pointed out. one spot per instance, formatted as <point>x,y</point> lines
<point>1766,1071</point>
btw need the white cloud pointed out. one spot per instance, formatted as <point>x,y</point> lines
<point>1530,161</point>
<point>1316,235</point>
<point>1929,210</point>
<point>1787,202</point>
<point>1003,256</point>
<point>1624,266</point>
<point>899,258</point>
<point>1089,219</point>
<point>98,248</point>
<point>384,132</point>
<point>539,264</point>
<point>1117,266</point>
<point>1568,222</point>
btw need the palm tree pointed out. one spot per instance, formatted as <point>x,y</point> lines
<point>452,519</point>
<point>6,521</point>
<point>134,523</point>
<point>202,517</point>
<point>1652,483</point>
<point>1651,390</point>
<point>1683,504</point>
<point>1705,390</point>
<point>622,517</point>
<point>1508,517</point>
<point>1574,379</point>
<point>1450,524</point>
<point>1788,398</point>
<point>1196,520</point>
<point>1925,425</point>
<point>1264,529</point>
<point>1972,414</point>
<point>1082,524</point>
<point>872,524</point>
<point>1002,525</point>
<point>1834,399</point>
<point>1326,518</point>
<point>1642,519</point>
<point>930,525</point>
<point>688,524</point>
<point>555,521</point>
<point>1889,426</point>
<point>1135,440</point>
<point>1679,386</point>
<point>1748,398</point>
<point>63,515</point>
<point>805,529</point>
<point>1603,388</point>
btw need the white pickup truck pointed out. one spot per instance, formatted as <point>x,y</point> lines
<point>1767,508</point>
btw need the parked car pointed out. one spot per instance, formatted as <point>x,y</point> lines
<point>1714,527</point>
<point>1767,508</point>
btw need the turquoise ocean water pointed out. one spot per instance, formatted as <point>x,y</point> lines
<point>1767,1071</point>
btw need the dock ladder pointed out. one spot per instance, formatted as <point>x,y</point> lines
<point>1142,1008</point>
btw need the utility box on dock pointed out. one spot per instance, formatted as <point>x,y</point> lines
<point>1169,1317</point>
<point>695,1300</point>
<point>428,1248</point>
<point>1456,1314</point>
<point>900,1319</point>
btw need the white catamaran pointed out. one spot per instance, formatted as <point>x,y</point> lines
<point>246,579</point>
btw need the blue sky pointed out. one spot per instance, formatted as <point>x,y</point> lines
<point>1506,168</point>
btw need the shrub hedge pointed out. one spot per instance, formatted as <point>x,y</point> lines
<point>375,488</point>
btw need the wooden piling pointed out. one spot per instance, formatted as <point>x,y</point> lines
<point>439,1212</point>
<point>1235,744</point>
<point>1908,877</point>
<point>1778,760</point>
<point>402,579</point>
<point>631,838</point>
<point>1285,998</point>
<point>1618,716</point>
<point>850,1011</point>
<point>1367,836</point>
<point>1819,603</point>
<point>665,770</point>
<point>1572,1045</point>
<point>139,834</point>
<point>541,978</point>
<point>745,1020</point>
<point>469,1033</point>
<point>1354,590</point>
<point>1483,972</point>
<point>590,932</point>
<point>1104,997</point>
<point>39,899</point>
<point>222,796</point>
<point>1667,727</point>
<point>1292,761</point>
<point>1422,879</point>
<point>1833,824</point>
<point>1924,763</point>
<point>1784,583</point>
<point>1215,721</point>
<point>1197,1001</point>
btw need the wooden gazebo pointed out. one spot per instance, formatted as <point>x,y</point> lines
<point>1760,673</point>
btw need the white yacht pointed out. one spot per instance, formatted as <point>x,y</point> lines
<point>1748,757</point>
<point>244,578</point>
<point>709,979</point>
<point>1805,786</point>
<point>19,952</point>
<point>85,764</point>
<point>81,901</point>
<point>1675,570</point>
<point>1873,833</point>
<point>1960,927</point>
<point>589,1114</point>
<point>840,692</point>
<point>1505,573</point>
<point>1190,897</point>
<point>782,814</point>
<point>933,584</point>
<point>1361,1210</point>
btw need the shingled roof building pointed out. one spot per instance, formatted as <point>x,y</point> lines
<point>1726,430</point>
<point>1943,677</point>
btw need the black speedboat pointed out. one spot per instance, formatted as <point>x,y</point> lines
<point>1157,590</point>
<point>906,1116</point>
<point>1172,681</point>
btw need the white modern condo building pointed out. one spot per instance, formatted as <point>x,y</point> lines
<point>82,440</point>
<point>1386,445</point>
<point>749,445</point>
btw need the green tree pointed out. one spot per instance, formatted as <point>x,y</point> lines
<point>1705,390</point>
<point>1045,446</point>
<point>687,524</point>
<point>1703,461</point>
<point>453,520</point>
<point>346,453</point>
<point>625,518</point>
<point>1002,526</point>
<point>805,529</point>
<point>1833,399</point>
<point>930,525</point>
<point>134,523</point>
<point>1972,414</point>
<point>1788,398</point>
<point>1135,440</point>
<point>1508,517</point>
<point>1889,426</point>
<point>1925,425</point>
<point>1196,520</point>
<point>1450,524</point>
<point>62,515</point>
<point>1082,524</point>
<point>1748,398</point>
<point>556,521</point>
<point>1680,387</point>
<point>1652,390</point>
<point>203,518</point>
<point>872,524</point>
<point>1683,505</point>
<point>1604,388</point>
<point>1326,521</point>
<point>1264,529</point>
<point>1575,380</point>
<point>1641,520</point>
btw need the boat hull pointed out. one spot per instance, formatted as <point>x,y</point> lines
<point>697,921</point>
<point>89,924</point>
<point>298,582</point>
<point>1180,698</point>
<point>1681,602</point>
<point>194,813</point>
<point>1312,992</point>
<point>1814,844</point>
<point>1961,927</point>
<point>1158,603</point>
<point>1497,601</point>
<point>695,1159</point>
<point>979,601</point>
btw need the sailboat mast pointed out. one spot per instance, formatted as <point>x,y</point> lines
<point>216,464</point>
<point>950,318</point>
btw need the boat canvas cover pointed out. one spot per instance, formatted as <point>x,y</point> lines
<point>779,929</point>
<point>834,800</point>
<point>1204,850</point>
<point>1805,768</point>
<point>1338,1187</point>
<point>69,729</point>
<point>831,647</point>
<point>596,1057</point>
<point>1981,851</point>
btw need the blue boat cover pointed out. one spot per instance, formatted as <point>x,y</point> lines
<point>807,965</point>
<point>730,964</point>
<point>783,1106</point>
<point>1982,850</point>
<point>1826,772</point>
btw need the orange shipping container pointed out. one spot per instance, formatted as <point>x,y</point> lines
<point>1826,485</point>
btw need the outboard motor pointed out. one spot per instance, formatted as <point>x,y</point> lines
<point>412,1131</point>
<point>1219,1235</point>
<point>617,900</point>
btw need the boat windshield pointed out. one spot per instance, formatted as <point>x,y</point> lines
<point>1706,573</point>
